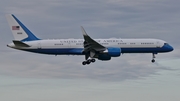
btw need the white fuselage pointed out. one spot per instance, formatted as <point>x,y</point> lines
<point>75,46</point>
<point>78,43</point>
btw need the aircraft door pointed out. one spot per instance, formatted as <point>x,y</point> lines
<point>39,45</point>
<point>158,44</point>
<point>69,43</point>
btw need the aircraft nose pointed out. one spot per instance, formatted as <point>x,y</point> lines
<point>169,47</point>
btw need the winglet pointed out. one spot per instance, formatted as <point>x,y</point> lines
<point>83,31</point>
<point>85,35</point>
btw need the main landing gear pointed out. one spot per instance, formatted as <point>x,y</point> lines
<point>153,57</point>
<point>88,61</point>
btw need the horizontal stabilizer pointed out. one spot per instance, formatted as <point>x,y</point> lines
<point>20,44</point>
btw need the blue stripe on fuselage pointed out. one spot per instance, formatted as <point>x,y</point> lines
<point>60,51</point>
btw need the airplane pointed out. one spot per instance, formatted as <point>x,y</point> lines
<point>92,49</point>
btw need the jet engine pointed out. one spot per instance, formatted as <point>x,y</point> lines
<point>108,53</point>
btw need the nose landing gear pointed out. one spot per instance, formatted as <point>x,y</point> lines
<point>153,57</point>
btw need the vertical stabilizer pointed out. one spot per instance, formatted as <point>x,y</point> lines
<point>19,31</point>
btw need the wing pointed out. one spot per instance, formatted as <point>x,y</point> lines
<point>90,44</point>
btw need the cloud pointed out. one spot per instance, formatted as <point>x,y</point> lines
<point>116,18</point>
<point>69,67</point>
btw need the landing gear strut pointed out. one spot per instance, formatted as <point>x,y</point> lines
<point>153,58</point>
<point>88,61</point>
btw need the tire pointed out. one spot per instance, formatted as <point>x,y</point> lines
<point>93,60</point>
<point>88,62</point>
<point>84,63</point>
<point>152,60</point>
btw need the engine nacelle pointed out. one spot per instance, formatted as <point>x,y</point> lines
<point>104,57</point>
<point>113,52</point>
<point>110,52</point>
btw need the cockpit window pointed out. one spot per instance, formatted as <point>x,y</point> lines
<point>165,43</point>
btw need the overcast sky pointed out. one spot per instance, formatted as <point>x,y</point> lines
<point>131,77</point>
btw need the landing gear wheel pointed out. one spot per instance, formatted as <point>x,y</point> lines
<point>93,60</point>
<point>88,62</point>
<point>84,63</point>
<point>152,60</point>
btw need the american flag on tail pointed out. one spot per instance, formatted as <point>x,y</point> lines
<point>15,27</point>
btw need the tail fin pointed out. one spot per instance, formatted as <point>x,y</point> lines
<point>19,31</point>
